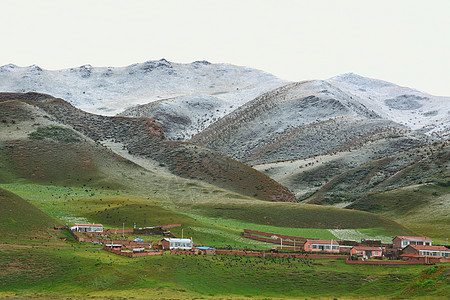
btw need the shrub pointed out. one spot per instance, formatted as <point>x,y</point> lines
<point>57,133</point>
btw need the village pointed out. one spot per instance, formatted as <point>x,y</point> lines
<point>404,250</point>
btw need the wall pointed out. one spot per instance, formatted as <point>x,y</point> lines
<point>385,262</point>
<point>138,254</point>
<point>286,255</point>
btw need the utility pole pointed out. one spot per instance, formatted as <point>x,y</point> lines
<point>123,230</point>
<point>281,243</point>
<point>182,232</point>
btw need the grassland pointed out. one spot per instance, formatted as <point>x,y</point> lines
<point>80,270</point>
<point>46,267</point>
<point>207,225</point>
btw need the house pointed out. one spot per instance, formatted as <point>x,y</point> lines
<point>87,228</point>
<point>427,250</point>
<point>401,241</point>
<point>174,243</point>
<point>366,251</point>
<point>321,246</point>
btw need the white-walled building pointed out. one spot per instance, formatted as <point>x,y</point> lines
<point>174,243</point>
<point>87,227</point>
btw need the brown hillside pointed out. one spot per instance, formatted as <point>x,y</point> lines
<point>144,137</point>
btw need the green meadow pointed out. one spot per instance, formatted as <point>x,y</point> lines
<point>70,269</point>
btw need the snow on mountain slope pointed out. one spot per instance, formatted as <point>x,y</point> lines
<point>184,116</point>
<point>108,90</point>
<point>414,109</point>
<point>296,121</point>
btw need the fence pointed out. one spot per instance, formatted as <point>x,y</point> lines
<point>385,262</point>
<point>137,254</point>
<point>285,255</point>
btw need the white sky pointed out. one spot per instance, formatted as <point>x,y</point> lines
<point>402,41</point>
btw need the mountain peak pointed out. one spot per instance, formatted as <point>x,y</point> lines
<point>361,81</point>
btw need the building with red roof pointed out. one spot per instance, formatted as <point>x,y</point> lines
<point>427,250</point>
<point>401,241</point>
<point>367,251</point>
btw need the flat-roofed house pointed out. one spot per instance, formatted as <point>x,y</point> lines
<point>87,227</point>
<point>427,250</point>
<point>321,246</point>
<point>174,243</point>
<point>366,251</point>
<point>401,241</point>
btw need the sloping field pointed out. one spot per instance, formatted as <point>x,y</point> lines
<point>20,218</point>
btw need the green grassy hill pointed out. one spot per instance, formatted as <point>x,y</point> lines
<point>422,208</point>
<point>18,218</point>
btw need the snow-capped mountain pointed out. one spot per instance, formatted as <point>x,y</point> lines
<point>111,90</point>
<point>297,121</point>
<point>187,98</point>
<point>412,108</point>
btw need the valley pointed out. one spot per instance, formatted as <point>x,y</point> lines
<point>219,149</point>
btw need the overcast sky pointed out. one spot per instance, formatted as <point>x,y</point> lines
<point>405,42</point>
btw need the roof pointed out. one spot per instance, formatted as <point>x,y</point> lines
<point>94,225</point>
<point>365,248</point>
<point>204,248</point>
<point>322,242</point>
<point>429,248</point>
<point>413,238</point>
<point>177,240</point>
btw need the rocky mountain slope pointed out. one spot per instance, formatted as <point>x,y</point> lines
<point>311,135</point>
<point>138,139</point>
<point>301,120</point>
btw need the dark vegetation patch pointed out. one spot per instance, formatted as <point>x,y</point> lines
<point>399,202</point>
<point>56,133</point>
<point>405,102</point>
<point>51,162</point>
